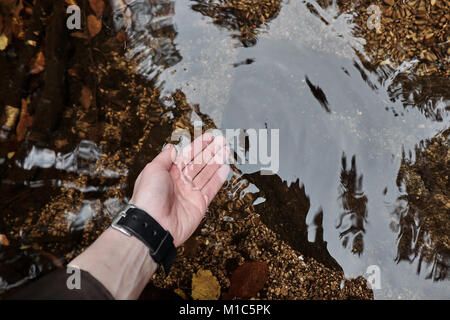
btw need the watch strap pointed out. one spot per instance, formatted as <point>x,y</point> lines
<point>160,242</point>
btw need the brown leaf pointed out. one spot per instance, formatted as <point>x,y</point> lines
<point>94,25</point>
<point>25,121</point>
<point>4,240</point>
<point>72,72</point>
<point>248,279</point>
<point>86,97</point>
<point>98,6</point>
<point>79,35</point>
<point>59,144</point>
<point>122,36</point>
<point>37,64</point>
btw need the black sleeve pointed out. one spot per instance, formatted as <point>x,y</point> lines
<point>53,286</point>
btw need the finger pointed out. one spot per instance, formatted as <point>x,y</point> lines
<point>193,168</point>
<point>189,152</point>
<point>213,186</point>
<point>210,169</point>
<point>166,158</point>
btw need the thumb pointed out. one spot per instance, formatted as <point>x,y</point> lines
<point>166,157</point>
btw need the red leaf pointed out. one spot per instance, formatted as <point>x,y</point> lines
<point>248,279</point>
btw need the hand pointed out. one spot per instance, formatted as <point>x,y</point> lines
<point>176,189</point>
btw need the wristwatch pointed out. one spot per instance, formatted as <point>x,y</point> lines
<point>133,221</point>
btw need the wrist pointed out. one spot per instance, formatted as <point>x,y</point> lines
<point>121,263</point>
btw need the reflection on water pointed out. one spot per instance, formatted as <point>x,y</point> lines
<point>354,204</point>
<point>284,210</point>
<point>244,16</point>
<point>423,210</point>
<point>308,75</point>
<point>151,32</point>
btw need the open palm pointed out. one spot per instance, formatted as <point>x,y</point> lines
<point>175,189</point>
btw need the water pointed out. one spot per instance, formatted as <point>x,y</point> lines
<point>343,126</point>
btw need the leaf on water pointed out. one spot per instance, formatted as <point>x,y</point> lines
<point>4,240</point>
<point>94,25</point>
<point>3,42</point>
<point>37,64</point>
<point>25,121</point>
<point>98,6</point>
<point>86,97</point>
<point>248,279</point>
<point>205,286</point>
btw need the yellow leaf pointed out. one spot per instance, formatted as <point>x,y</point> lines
<point>205,286</point>
<point>11,154</point>
<point>3,42</point>
<point>181,294</point>
<point>31,43</point>
<point>11,117</point>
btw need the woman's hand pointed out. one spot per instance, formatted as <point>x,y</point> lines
<point>175,189</point>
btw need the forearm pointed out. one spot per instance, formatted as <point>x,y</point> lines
<point>121,263</point>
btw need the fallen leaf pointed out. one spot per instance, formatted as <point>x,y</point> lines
<point>122,36</point>
<point>12,113</point>
<point>3,42</point>
<point>72,72</point>
<point>37,64</point>
<point>86,97</point>
<point>79,35</point>
<point>25,121</point>
<point>248,279</point>
<point>181,294</point>
<point>4,240</point>
<point>61,143</point>
<point>97,6</point>
<point>205,286</point>
<point>10,155</point>
<point>94,25</point>
<point>31,43</point>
